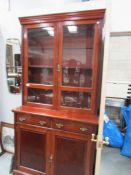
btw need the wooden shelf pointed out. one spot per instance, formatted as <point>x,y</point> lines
<point>39,86</point>
<point>71,67</point>
<point>78,48</point>
<point>76,89</point>
<point>50,67</point>
<point>40,66</point>
<point>81,48</point>
<point>38,47</point>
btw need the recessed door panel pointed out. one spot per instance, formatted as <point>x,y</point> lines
<point>70,156</point>
<point>33,150</point>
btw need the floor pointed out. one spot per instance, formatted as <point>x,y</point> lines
<point>5,164</point>
<point>112,163</point>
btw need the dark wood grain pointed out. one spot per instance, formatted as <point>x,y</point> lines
<point>34,149</point>
<point>74,152</point>
<point>70,156</point>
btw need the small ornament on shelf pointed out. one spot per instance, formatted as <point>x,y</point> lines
<point>66,79</point>
<point>76,76</point>
<point>82,80</point>
<point>81,98</point>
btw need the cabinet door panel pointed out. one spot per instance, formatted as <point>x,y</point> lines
<point>71,155</point>
<point>79,62</point>
<point>33,150</point>
<point>40,74</point>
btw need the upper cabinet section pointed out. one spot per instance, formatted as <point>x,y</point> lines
<point>61,61</point>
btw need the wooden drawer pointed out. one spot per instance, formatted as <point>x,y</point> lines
<point>73,126</point>
<point>33,120</point>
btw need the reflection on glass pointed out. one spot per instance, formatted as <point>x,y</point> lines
<point>13,65</point>
<point>40,55</point>
<point>76,99</point>
<point>77,55</point>
<point>40,76</point>
<point>40,96</point>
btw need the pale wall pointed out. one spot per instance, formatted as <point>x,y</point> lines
<point>9,29</point>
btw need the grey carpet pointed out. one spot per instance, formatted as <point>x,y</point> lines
<point>113,163</point>
<point>5,164</point>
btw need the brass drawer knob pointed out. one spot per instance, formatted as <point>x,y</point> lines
<point>42,123</point>
<point>83,129</point>
<point>51,158</point>
<point>58,67</point>
<point>59,125</point>
<point>27,84</point>
<point>21,119</point>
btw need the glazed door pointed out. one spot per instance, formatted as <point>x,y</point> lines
<point>72,154</point>
<point>40,52</point>
<point>79,62</point>
<point>61,65</point>
<point>33,150</point>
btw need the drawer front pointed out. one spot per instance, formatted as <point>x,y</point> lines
<point>72,126</point>
<point>33,120</point>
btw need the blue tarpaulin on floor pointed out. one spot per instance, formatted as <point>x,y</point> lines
<point>126,149</point>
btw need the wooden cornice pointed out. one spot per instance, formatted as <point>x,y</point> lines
<point>90,14</point>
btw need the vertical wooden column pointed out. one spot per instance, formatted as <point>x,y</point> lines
<point>106,37</point>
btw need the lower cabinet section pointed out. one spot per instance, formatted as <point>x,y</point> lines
<point>48,151</point>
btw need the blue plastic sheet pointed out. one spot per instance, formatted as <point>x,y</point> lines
<point>126,150</point>
<point>111,131</point>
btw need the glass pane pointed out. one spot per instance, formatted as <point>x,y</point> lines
<point>77,55</point>
<point>76,99</point>
<point>33,153</point>
<point>40,96</point>
<point>40,55</point>
<point>40,76</point>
